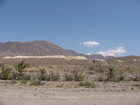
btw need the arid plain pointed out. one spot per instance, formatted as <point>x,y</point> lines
<point>83,83</point>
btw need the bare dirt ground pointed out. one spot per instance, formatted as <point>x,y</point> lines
<point>36,95</point>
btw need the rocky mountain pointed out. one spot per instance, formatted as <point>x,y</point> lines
<point>32,48</point>
<point>39,48</point>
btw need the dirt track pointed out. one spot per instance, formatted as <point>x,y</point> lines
<point>60,96</point>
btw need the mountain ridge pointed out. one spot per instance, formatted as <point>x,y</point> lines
<point>32,48</point>
<point>39,48</point>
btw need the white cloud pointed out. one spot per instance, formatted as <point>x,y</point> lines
<point>113,52</point>
<point>90,43</point>
<point>88,54</point>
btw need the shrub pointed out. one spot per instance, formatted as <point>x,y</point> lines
<point>121,78</point>
<point>91,67</point>
<point>5,72</point>
<point>36,83</point>
<point>2,65</point>
<point>111,73</point>
<point>87,84</point>
<point>20,68</point>
<point>53,77</point>
<point>13,82</point>
<point>134,79</point>
<point>101,79</point>
<point>60,86</point>
<point>49,77</point>
<point>81,84</point>
<point>78,77</point>
<point>75,76</point>
<point>136,85</point>
<point>14,76</point>
<point>90,72</point>
<point>69,77</point>
<point>42,75</point>
<point>26,77</point>
<point>24,81</point>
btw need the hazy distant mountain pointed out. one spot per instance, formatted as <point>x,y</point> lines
<point>97,56</point>
<point>39,48</point>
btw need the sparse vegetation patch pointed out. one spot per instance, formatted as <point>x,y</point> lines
<point>87,84</point>
<point>64,73</point>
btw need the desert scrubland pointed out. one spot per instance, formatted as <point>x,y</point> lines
<point>97,82</point>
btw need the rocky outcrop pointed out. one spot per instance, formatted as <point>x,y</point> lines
<point>100,62</point>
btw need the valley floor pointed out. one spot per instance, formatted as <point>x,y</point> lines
<point>41,95</point>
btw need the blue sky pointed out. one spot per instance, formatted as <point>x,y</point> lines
<point>108,27</point>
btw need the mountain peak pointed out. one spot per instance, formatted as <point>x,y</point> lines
<point>38,47</point>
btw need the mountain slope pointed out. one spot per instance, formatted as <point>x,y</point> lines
<point>32,48</point>
<point>128,60</point>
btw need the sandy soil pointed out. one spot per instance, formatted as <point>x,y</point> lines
<point>59,96</point>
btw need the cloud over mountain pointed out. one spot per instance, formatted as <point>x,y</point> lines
<point>113,52</point>
<point>90,43</point>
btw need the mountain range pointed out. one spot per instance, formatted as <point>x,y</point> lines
<point>40,48</point>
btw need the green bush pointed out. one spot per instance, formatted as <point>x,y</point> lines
<point>14,75</point>
<point>69,77</point>
<point>121,78</point>
<point>42,74</point>
<point>5,72</point>
<point>134,79</point>
<point>20,68</point>
<point>111,73</point>
<point>24,81</point>
<point>48,76</point>
<point>53,77</point>
<point>77,76</point>
<point>26,77</point>
<point>87,84</point>
<point>13,82</point>
<point>136,85</point>
<point>35,82</point>
<point>101,79</point>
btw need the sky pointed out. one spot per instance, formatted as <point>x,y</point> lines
<point>107,27</point>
